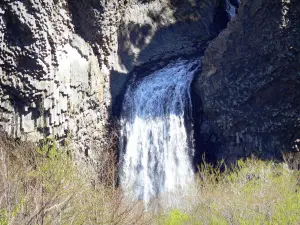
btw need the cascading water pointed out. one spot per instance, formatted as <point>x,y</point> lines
<point>231,7</point>
<point>156,143</point>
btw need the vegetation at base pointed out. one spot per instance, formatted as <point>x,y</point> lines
<point>253,192</point>
<point>41,185</point>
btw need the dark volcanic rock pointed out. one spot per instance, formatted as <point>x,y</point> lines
<point>250,83</point>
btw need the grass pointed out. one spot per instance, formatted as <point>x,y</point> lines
<point>41,185</point>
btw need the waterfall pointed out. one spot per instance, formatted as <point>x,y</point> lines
<point>231,8</point>
<point>156,143</point>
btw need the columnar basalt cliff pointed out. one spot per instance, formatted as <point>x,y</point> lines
<point>63,62</point>
<point>250,83</point>
<point>51,83</point>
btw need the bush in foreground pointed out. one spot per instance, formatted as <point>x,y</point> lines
<point>41,185</point>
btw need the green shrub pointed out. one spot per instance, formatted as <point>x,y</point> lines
<point>177,217</point>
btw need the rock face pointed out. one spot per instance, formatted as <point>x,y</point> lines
<point>51,83</point>
<point>62,62</point>
<point>250,83</point>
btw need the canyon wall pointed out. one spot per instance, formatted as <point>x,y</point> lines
<point>63,63</point>
<point>250,83</point>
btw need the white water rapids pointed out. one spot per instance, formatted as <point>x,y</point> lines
<point>156,143</point>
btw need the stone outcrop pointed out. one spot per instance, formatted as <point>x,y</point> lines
<point>250,83</point>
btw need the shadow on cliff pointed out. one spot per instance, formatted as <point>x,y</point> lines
<point>196,23</point>
<point>85,15</point>
<point>190,33</point>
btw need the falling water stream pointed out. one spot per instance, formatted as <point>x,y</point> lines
<point>156,135</point>
<point>156,141</point>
